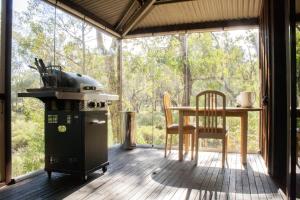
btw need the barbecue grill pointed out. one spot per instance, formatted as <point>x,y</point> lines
<point>75,120</point>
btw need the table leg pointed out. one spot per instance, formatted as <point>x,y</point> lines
<point>186,137</point>
<point>244,132</point>
<point>186,143</point>
<point>180,136</point>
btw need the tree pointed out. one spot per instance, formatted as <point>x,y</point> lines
<point>111,72</point>
<point>186,71</point>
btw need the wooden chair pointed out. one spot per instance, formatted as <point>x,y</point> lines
<point>212,104</point>
<point>172,128</point>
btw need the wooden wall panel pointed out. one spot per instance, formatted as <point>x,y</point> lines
<point>6,45</point>
<point>2,91</point>
<point>2,159</point>
<point>265,73</point>
<point>292,89</point>
<point>275,63</point>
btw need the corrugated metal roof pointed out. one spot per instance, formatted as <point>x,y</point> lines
<point>109,11</point>
<point>114,14</point>
<point>200,11</point>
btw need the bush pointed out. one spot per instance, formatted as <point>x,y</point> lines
<point>28,144</point>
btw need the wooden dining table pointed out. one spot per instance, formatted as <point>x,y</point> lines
<point>240,112</point>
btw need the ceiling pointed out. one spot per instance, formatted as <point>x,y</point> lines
<point>133,18</point>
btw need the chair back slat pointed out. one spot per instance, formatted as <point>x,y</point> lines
<point>167,105</point>
<point>212,104</point>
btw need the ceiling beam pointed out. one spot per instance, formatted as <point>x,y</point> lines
<point>160,2</point>
<point>192,27</point>
<point>80,12</point>
<point>125,15</point>
<point>137,16</point>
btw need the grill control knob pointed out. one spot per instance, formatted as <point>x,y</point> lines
<point>91,104</point>
<point>102,104</point>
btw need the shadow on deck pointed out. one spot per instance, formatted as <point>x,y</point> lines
<point>146,174</point>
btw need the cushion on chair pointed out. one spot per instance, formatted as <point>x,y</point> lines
<point>175,127</point>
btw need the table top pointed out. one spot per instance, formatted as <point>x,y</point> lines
<point>233,109</point>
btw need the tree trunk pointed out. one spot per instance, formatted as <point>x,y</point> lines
<point>113,85</point>
<point>83,48</point>
<point>187,79</point>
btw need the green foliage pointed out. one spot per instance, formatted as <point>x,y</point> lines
<point>28,145</point>
<point>144,134</point>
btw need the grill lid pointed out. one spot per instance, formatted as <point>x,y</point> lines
<point>77,81</point>
<point>54,78</point>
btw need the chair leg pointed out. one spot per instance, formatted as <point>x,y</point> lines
<point>196,154</point>
<point>170,145</point>
<point>223,151</point>
<point>226,147</point>
<point>193,145</point>
<point>188,143</point>
<point>166,144</point>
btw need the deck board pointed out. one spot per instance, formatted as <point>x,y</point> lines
<point>146,174</point>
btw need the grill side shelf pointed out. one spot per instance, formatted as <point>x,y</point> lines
<point>37,94</point>
<point>53,94</point>
<point>69,95</point>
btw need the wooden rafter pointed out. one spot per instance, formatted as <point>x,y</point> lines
<point>159,2</point>
<point>194,26</point>
<point>137,16</point>
<point>125,15</point>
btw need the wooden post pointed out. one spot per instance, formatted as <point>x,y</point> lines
<point>2,98</point>
<point>260,105</point>
<point>6,42</point>
<point>276,28</point>
<point>120,81</point>
<point>292,93</point>
<point>2,138</point>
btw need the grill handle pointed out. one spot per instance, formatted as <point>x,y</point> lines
<point>97,122</point>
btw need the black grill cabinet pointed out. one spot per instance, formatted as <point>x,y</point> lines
<point>75,141</point>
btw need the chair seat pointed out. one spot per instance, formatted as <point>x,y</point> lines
<point>174,128</point>
<point>215,133</point>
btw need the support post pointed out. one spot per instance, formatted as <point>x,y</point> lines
<point>6,43</point>
<point>2,98</point>
<point>292,94</point>
<point>120,81</point>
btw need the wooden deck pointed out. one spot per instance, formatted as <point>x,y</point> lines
<point>146,174</point>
